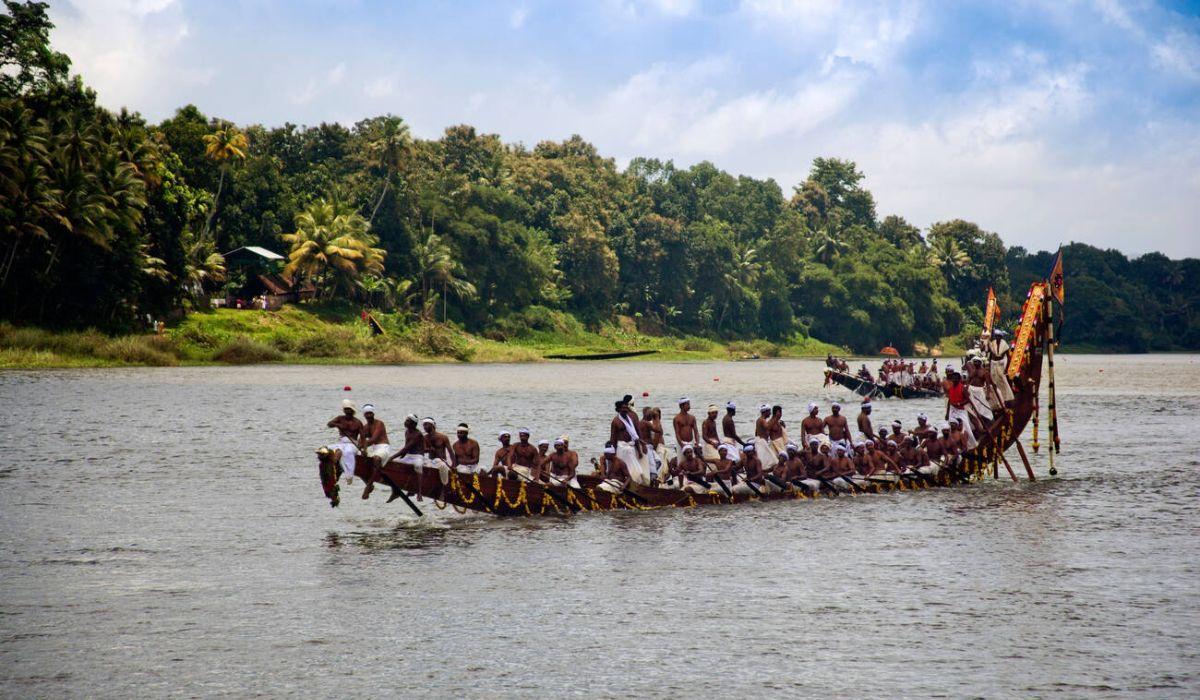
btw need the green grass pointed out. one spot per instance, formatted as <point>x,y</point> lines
<point>335,334</point>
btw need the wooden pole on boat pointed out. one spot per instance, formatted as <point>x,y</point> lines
<point>1025,459</point>
<point>1053,413</point>
<point>1008,466</point>
<point>397,492</point>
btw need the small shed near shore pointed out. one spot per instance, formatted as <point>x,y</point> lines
<point>264,279</point>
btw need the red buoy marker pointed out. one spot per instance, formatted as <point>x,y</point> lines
<point>346,388</point>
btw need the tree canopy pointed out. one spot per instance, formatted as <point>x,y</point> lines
<point>107,218</point>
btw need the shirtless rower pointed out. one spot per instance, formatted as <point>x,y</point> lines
<point>812,425</point>
<point>863,462</point>
<point>466,450</point>
<point>648,429</point>
<point>708,433</point>
<point>897,431</point>
<point>864,420</point>
<point>814,461</point>
<point>840,466</point>
<point>500,461</point>
<point>752,468</point>
<point>911,456</point>
<point>763,449</point>
<point>373,441</point>
<point>523,457</point>
<point>437,448</point>
<point>959,433</point>
<point>561,464</point>
<point>726,467</point>
<point>691,471</point>
<point>541,465</point>
<point>614,470</point>
<point>777,431</point>
<point>839,429</point>
<point>684,423</point>
<point>923,431</point>
<point>349,431</point>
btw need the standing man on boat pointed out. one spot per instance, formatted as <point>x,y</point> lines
<point>349,432</point>
<point>708,432</point>
<point>978,378</point>
<point>374,440</point>
<point>812,426</point>
<point>629,447</point>
<point>729,429</point>
<point>684,423</point>
<point>957,400</point>
<point>838,428</point>
<point>998,351</point>
<point>437,449</point>
<point>864,420</point>
<point>466,451</point>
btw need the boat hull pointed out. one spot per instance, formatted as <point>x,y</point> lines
<point>864,388</point>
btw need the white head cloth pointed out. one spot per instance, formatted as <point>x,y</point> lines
<point>368,408</point>
<point>347,403</point>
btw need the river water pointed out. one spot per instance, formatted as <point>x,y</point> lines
<point>163,533</point>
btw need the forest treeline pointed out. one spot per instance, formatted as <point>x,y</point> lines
<point>108,217</point>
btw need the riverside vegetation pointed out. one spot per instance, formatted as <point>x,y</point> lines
<point>473,249</point>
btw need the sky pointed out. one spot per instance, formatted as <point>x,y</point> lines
<point>1046,122</point>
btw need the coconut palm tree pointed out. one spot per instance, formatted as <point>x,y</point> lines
<point>946,255</point>
<point>202,265</point>
<point>829,245</point>
<point>438,267</point>
<point>737,281</point>
<point>332,246</point>
<point>223,146</point>
<point>386,151</point>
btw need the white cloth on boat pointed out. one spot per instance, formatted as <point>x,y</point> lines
<point>610,485</point>
<point>349,452</point>
<point>381,451</point>
<point>979,402</point>
<point>961,414</point>
<point>766,453</point>
<point>639,466</point>
<point>709,453</point>
<point>464,468</point>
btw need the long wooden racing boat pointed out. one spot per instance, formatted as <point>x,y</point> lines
<point>507,497</point>
<point>864,388</point>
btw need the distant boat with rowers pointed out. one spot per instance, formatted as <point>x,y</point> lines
<point>1034,340</point>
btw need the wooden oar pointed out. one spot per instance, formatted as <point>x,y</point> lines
<point>569,487</point>
<point>397,492</point>
<point>1025,459</point>
<point>723,485</point>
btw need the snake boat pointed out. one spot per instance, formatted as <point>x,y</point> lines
<point>863,387</point>
<point>1034,340</point>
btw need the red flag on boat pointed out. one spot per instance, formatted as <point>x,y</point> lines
<point>991,312</point>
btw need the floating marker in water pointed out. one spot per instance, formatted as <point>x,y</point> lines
<point>645,394</point>
<point>346,388</point>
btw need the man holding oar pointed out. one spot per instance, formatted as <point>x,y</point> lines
<point>349,431</point>
<point>466,451</point>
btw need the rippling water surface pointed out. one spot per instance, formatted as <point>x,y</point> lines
<point>162,532</point>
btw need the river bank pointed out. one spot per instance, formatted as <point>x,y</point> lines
<point>339,335</point>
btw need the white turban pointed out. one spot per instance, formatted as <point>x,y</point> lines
<point>462,427</point>
<point>523,431</point>
<point>427,421</point>
<point>749,447</point>
<point>689,448</point>
<point>763,408</point>
<point>712,408</point>
<point>812,407</point>
<point>866,404</point>
<point>559,441</point>
<point>944,426</point>
<point>730,404</point>
<point>412,417</point>
<point>504,433</point>
<point>892,443</point>
<point>814,441</point>
<point>543,442</point>
<point>683,400</point>
<point>836,405</point>
<point>841,449</point>
<point>610,450</point>
<point>793,446</point>
<point>896,423</point>
<point>723,449</point>
<point>347,403</point>
<point>368,408</point>
<point>922,417</point>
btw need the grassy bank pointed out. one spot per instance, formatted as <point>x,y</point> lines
<point>335,334</point>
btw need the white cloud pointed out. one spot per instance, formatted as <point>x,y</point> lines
<point>1179,54</point>
<point>866,33</point>
<point>516,18</point>
<point>124,47</point>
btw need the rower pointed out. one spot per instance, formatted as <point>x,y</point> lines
<point>777,431</point>
<point>752,467</point>
<point>840,465</point>
<point>911,456</point>
<point>500,461</point>
<point>812,425</point>
<point>957,401</point>
<point>998,351</point>
<point>685,427</point>
<point>523,456</point>
<point>897,431</point>
<point>466,450</point>
<point>924,431</point>
<point>725,469</point>
<point>561,465</point>
<point>764,450</point>
<point>708,433</point>
<point>729,428</point>
<point>437,448</point>
<point>891,457</point>
<point>941,449</point>
<point>863,462</point>
<point>626,440</point>
<point>614,470</point>
<point>814,460</point>
<point>958,431</point>
<point>540,465</point>
<point>374,436</point>
<point>839,429</point>
<point>349,431</point>
<point>864,419</point>
<point>691,471</point>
